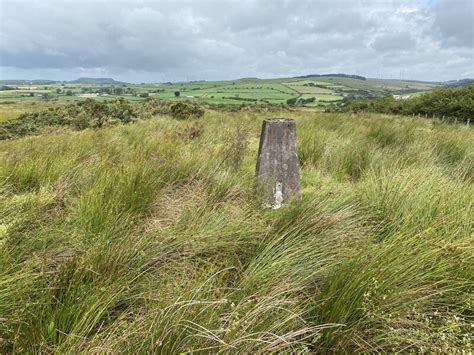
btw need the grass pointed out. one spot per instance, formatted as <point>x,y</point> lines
<point>146,238</point>
<point>12,110</point>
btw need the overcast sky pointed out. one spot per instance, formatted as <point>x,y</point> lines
<point>155,41</point>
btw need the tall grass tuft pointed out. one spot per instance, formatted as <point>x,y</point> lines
<point>147,238</point>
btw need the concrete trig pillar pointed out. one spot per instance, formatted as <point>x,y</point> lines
<point>277,172</point>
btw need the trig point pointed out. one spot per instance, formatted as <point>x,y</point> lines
<point>277,173</point>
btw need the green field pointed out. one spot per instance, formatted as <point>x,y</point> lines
<point>148,238</point>
<point>11,110</point>
<point>250,91</point>
<point>400,84</point>
<point>322,99</point>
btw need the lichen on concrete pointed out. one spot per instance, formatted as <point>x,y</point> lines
<point>277,171</point>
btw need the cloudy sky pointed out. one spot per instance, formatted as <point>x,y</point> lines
<point>154,41</point>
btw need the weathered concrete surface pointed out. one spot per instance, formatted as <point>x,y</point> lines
<point>277,172</point>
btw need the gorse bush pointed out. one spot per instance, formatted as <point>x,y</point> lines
<point>147,238</point>
<point>185,110</point>
<point>94,114</point>
<point>89,113</point>
<point>452,103</point>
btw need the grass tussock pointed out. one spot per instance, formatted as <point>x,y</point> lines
<point>148,238</point>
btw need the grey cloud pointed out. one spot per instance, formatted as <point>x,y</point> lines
<point>210,39</point>
<point>394,41</point>
<point>454,22</point>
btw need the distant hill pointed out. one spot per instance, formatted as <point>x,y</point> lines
<point>97,81</point>
<point>27,82</point>
<point>456,83</point>
<point>358,77</point>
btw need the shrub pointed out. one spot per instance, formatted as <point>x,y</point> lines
<point>80,121</point>
<point>122,111</point>
<point>89,113</point>
<point>451,103</point>
<point>186,110</point>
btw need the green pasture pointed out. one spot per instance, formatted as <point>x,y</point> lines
<point>274,91</point>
